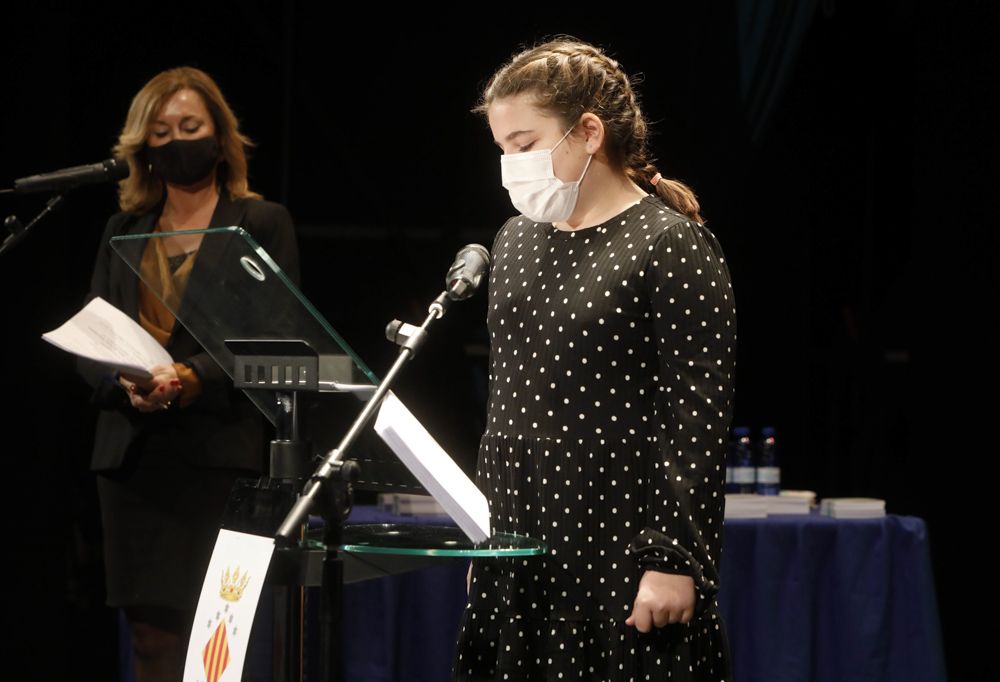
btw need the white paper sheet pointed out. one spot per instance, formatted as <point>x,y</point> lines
<point>435,470</point>
<point>103,333</point>
<point>218,645</point>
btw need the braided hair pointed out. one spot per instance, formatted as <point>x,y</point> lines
<point>570,77</point>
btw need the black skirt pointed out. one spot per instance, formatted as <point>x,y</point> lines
<point>160,526</point>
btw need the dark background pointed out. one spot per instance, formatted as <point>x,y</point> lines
<point>843,153</point>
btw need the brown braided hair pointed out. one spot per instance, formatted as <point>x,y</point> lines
<point>570,77</point>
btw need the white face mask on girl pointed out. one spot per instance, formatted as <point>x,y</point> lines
<point>534,188</point>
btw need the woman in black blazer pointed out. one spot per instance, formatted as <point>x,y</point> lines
<point>168,449</point>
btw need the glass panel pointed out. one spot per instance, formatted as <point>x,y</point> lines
<point>421,540</point>
<point>235,291</point>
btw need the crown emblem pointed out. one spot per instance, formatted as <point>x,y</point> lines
<point>233,584</point>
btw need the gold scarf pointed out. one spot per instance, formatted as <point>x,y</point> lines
<point>160,290</point>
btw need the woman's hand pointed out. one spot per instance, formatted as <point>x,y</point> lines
<point>157,393</point>
<point>662,598</point>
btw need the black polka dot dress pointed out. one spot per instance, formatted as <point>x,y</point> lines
<point>611,388</point>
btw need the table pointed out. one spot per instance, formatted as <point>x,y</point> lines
<point>804,597</point>
<point>403,627</point>
<point>816,598</point>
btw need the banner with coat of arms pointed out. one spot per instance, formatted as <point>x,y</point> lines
<point>229,596</point>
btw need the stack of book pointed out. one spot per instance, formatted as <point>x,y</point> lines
<point>753,506</point>
<point>808,495</point>
<point>853,507</point>
<point>789,503</point>
<point>745,506</point>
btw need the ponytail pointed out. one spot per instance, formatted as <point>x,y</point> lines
<point>674,193</point>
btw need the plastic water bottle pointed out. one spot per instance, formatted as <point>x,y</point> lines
<point>768,471</point>
<point>744,475</point>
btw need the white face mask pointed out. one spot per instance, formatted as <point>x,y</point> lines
<point>534,188</point>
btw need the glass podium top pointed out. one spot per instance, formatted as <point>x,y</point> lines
<point>441,541</point>
<point>243,309</point>
<point>237,294</point>
<point>370,551</point>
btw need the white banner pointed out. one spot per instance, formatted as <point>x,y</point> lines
<point>229,596</point>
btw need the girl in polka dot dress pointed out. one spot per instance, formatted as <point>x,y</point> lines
<point>613,332</point>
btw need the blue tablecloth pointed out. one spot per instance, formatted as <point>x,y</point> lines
<point>821,599</point>
<point>403,627</point>
<point>803,598</point>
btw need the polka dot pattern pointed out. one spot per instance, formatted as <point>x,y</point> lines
<point>611,388</point>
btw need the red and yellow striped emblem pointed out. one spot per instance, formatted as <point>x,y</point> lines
<point>216,654</point>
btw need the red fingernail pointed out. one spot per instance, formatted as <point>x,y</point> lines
<point>175,382</point>
<point>160,388</point>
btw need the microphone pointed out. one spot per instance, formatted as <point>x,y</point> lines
<point>467,271</point>
<point>109,170</point>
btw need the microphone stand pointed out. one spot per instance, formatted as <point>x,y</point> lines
<point>334,469</point>
<point>18,231</point>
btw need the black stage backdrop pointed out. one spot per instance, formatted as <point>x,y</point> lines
<point>844,154</point>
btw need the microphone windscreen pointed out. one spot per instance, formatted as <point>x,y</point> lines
<point>117,169</point>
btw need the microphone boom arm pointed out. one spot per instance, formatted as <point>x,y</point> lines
<point>289,530</point>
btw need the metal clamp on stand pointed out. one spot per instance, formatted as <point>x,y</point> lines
<point>288,367</point>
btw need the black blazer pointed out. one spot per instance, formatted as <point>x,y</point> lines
<point>221,428</point>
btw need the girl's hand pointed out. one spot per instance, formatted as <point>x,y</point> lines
<point>662,598</point>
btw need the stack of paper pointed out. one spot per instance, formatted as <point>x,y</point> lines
<point>786,504</point>
<point>103,333</point>
<point>808,495</point>
<point>435,470</point>
<point>745,506</point>
<point>853,507</point>
<point>410,505</point>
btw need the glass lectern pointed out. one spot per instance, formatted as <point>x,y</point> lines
<point>276,347</point>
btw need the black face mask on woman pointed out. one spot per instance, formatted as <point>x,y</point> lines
<point>184,162</point>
